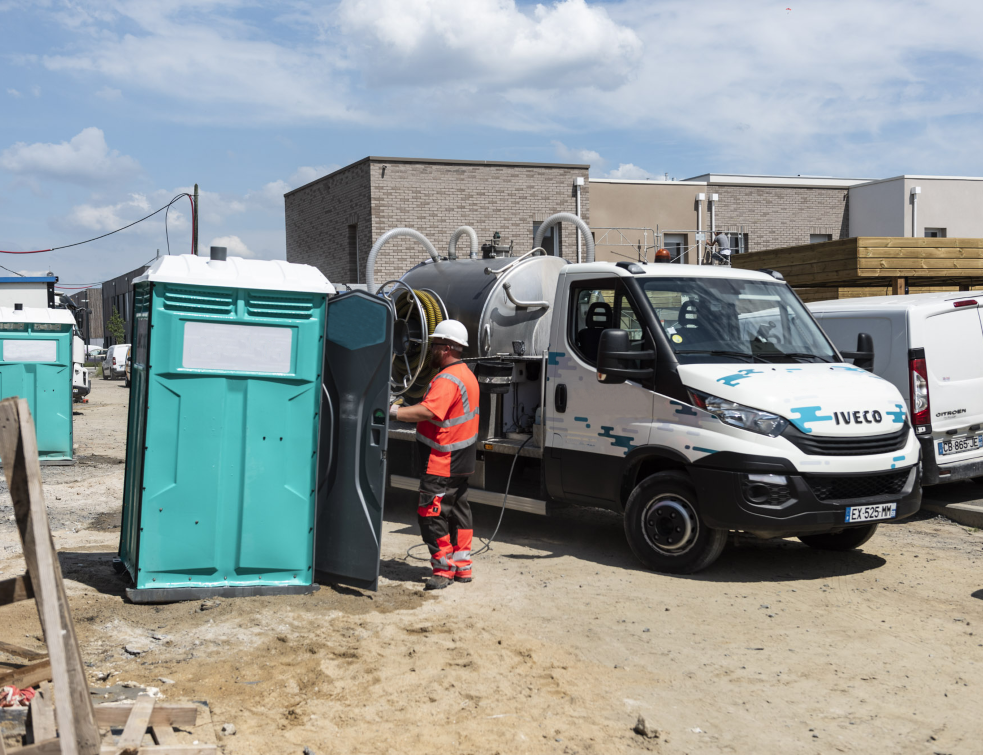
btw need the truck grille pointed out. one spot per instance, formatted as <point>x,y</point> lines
<point>815,445</point>
<point>829,488</point>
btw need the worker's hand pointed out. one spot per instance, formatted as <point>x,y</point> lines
<point>393,412</point>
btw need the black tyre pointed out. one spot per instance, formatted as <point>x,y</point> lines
<point>844,540</point>
<point>664,528</point>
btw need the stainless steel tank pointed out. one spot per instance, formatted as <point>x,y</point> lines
<point>481,300</point>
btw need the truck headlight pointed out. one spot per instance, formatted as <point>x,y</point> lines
<point>738,415</point>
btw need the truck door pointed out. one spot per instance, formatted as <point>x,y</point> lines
<point>592,427</point>
<point>352,444</point>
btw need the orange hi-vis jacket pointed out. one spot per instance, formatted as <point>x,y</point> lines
<point>448,442</point>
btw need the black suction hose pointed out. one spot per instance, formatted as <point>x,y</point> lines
<point>501,514</point>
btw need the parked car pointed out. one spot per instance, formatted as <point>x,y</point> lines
<point>129,362</point>
<point>114,365</point>
<point>931,347</point>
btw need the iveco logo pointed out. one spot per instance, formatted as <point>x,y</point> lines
<point>953,413</point>
<point>857,418</point>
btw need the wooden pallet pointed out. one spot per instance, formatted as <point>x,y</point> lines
<point>72,727</point>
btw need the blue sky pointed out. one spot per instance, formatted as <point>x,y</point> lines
<point>108,109</point>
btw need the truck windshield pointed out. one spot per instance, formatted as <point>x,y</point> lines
<point>734,320</point>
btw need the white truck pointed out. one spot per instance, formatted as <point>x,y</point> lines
<point>695,400</point>
<point>930,346</point>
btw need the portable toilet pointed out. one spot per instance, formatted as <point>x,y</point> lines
<point>36,364</point>
<point>221,459</point>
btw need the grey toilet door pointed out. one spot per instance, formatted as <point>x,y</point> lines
<point>351,478</point>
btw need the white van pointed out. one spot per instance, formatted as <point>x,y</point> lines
<point>114,365</point>
<point>931,347</point>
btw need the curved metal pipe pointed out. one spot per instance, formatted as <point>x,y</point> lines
<point>452,244</point>
<point>500,271</point>
<point>527,304</point>
<point>566,217</point>
<point>381,241</point>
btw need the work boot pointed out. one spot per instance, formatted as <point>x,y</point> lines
<point>462,579</point>
<point>437,583</point>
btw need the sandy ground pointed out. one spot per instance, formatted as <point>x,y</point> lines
<point>557,647</point>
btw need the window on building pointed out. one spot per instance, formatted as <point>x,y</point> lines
<point>935,233</point>
<point>819,238</point>
<point>675,243</point>
<point>353,261</point>
<point>551,239</point>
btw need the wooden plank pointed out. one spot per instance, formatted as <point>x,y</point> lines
<point>28,676</point>
<point>163,735</point>
<point>915,272</point>
<point>907,242</point>
<point>19,454</point>
<point>47,747</point>
<point>113,714</point>
<point>899,286</point>
<point>136,725</point>
<point>43,715</point>
<point>934,263</point>
<point>15,589</point>
<point>947,253</point>
<point>21,652</point>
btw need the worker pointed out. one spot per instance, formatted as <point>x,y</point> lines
<point>722,240</point>
<point>447,435</point>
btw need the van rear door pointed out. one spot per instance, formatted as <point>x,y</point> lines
<point>953,341</point>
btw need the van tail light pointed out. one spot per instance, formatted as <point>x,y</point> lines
<point>921,412</point>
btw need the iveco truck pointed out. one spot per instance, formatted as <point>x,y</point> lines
<point>695,400</point>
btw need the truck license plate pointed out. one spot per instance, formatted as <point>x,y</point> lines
<point>958,445</point>
<point>870,513</point>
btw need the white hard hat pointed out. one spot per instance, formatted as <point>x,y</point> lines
<point>451,330</point>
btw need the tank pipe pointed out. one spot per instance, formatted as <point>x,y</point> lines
<point>452,244</point>
<point>500,271</point>
<point>381,241</point>
<point>526,304</point>
<point>566,217</point>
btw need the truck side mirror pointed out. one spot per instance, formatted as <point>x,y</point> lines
<point>616,362</point>
<point>863,357</point>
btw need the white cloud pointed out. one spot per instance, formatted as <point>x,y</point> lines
<point>110,216</point>
<point>109,94</point>
<point>270,197</point>
<point>236,247</point>
<point>85,159</point>
<point>585,156</point>
<point>308,173</point>
<point>629,171</point>
<point>36,90</point>
<point>14,93</point>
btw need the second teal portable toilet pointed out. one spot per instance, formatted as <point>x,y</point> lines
<point>221,459</point>
<point>36,365</point>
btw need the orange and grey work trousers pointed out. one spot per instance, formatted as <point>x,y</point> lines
<point>445,523</point>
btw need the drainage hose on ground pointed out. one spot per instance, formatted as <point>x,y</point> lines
<point>486,544</point>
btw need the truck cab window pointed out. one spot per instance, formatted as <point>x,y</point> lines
<point>591,314</point>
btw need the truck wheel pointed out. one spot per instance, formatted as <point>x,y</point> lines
<point>844,540</point>
<point>665,531</point>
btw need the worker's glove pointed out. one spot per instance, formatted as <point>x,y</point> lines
<point>393,411</point>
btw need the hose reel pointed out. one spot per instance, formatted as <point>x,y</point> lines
<point>417,314</point>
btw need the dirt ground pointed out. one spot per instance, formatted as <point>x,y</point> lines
<point>558,646</point>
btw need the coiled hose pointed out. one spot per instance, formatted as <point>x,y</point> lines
<point>433,313</point>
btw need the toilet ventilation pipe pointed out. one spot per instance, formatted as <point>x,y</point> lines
<point>381,241</point>
<point>566,217</point>
<point>915,191</point>
<point>452,244</point>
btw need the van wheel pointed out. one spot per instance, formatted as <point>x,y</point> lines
<point>844,540</point>
<point>665,531</point>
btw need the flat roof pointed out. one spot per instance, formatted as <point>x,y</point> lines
<point>438,161</point>
<point>750,179</point>
<point>647,182</point>
<point>30,279</point>
<point>924,178</point>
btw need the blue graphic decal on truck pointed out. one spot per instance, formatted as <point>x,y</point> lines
<point>733,380</point>
<point>808,414</point>
<point>622,441</point>
<point>898,416</point>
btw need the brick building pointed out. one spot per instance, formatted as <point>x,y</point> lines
<point>332,222</point>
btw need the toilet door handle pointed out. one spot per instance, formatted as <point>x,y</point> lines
<point>560,398</point>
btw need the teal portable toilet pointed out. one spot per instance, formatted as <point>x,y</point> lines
<point>221,458</point>
<point>36,364</point>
